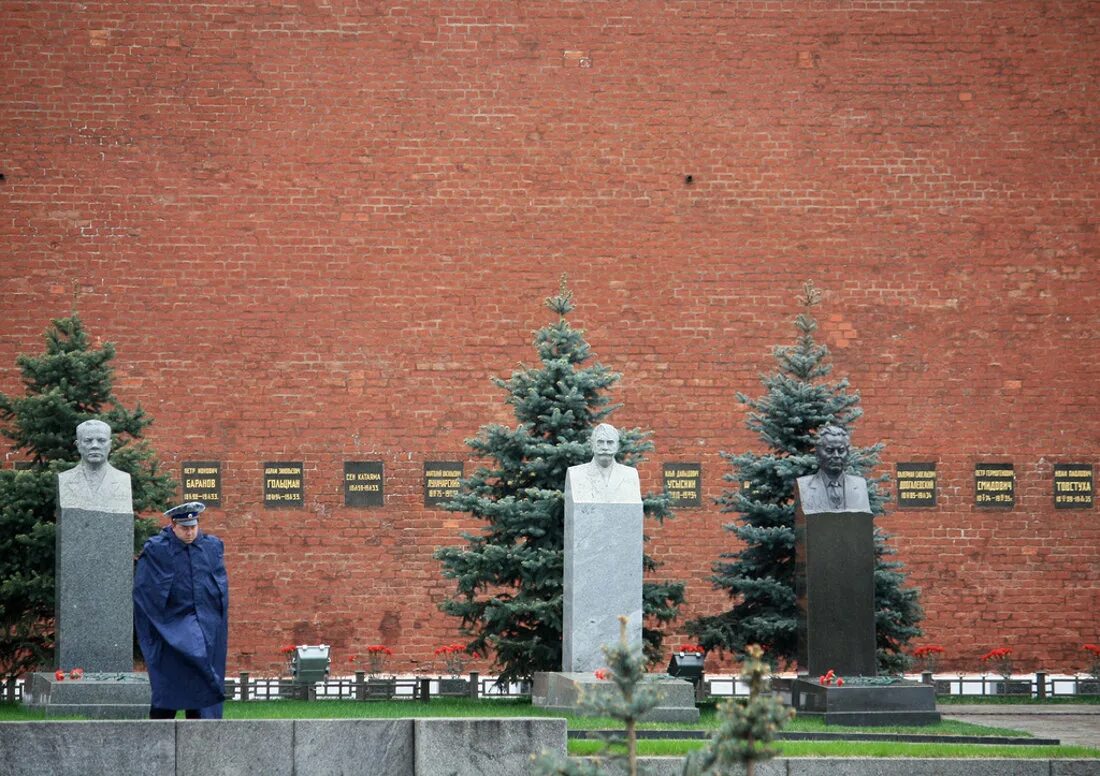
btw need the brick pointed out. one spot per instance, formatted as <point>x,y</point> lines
<point>316,235</point>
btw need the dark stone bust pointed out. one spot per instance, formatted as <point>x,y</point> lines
<point>831,489</point>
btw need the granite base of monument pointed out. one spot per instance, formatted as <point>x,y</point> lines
<point>835,588</point>
<point>897,703</point>
<point>94,570</point>
<point>602,581</point>
<point>565,692</point>
<point>96,695</point>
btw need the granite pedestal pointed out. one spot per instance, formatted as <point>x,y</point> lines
<point>121,695</point>
<point>567,692</point>
<point>603,580</point>
<point>94,620</point>
<point>94,569</point>
<point>899,703</point>
<point>835,587</point>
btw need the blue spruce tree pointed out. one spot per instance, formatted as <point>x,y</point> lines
<point>509,576</point>
<point>759,577</point>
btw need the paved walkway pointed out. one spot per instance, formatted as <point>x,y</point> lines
<point>1070,724</point>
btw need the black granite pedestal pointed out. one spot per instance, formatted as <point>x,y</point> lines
<point>858,704</point>
<point>835,587</point>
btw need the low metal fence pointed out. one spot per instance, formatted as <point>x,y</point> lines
<point>1039,685</point>
<point>362,687</point>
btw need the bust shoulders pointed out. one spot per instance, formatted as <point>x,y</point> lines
<point>587,483</point>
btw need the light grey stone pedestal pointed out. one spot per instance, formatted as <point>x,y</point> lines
<point>566,693</point>
<point>94,569</point>
<point>94,572</point>
<point>603,580</point>
<point>96,695</point>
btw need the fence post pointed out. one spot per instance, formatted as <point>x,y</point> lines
<point>425,689</point>
<point>360,687</point>
<point>244,685</point>
<point>9,689</point>
<point>475,685</point>
<point>1041,684</point>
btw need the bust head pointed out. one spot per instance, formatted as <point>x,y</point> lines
<point>832,450</point>
<point>93,442</point>
<point>605,444</point>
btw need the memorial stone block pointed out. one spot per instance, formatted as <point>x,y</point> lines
<point>603,579</point>
<point>835,588</point>
<point>94,577</point>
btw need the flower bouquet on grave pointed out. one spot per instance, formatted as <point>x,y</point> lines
<point>455,657</point>
<point>1094,660</point>
<point>376,659</point>
<point>999,661</point>
<point>929,657</point>
<point>1091,687</point>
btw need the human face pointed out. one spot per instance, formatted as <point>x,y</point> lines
<point>604,447</point>
<point>94,444</point>
<point>832,455</point>
<point>186,533</point>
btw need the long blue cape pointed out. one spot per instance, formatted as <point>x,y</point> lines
<point>181,614</point>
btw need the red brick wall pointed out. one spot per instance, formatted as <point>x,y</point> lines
<point>316,230</point>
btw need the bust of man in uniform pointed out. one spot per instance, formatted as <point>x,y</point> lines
<point>603,479</point>
<point>831,489</point>
<point>94,484</point>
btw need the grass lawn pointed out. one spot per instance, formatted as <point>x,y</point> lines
<point>463,707</point>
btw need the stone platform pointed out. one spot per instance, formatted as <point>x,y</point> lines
<point>866,704</point>
<point>564,692</point>
<point>96,695</point>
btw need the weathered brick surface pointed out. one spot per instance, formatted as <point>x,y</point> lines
<point>316,229</point>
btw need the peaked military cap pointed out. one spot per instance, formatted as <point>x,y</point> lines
<point>186,514</point>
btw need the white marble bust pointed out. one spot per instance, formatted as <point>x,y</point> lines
<point>603,480</point>
<point>93,484</point>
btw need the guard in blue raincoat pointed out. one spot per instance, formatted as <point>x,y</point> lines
<point>181,614</point>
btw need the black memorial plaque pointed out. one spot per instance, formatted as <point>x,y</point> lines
<point>284,484</point>
<point>916,485</point>
<point>22,466</point>
<point>994,486</point>
<point>1073,485</point>
<point>684,484</point>
<point>363,484</point>
<point>441,481</point>
<point>202,481</point>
